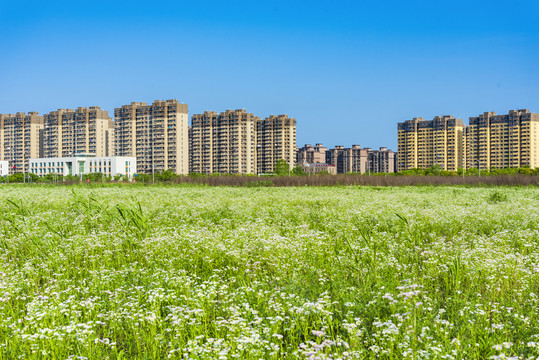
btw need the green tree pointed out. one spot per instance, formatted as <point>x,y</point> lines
<point>282,168</point>
<point>298,170</point>
<point>166,175</point>
<point>435,169</point>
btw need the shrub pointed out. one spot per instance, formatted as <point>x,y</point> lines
<point>496,196</point>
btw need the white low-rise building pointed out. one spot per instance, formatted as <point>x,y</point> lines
<point>84,164</point>
<point>4,168</point>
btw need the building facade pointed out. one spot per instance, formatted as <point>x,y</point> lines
<point>156,134</point>
<point>381,161</point>
<point>223,143</point>
<point>85,130</point>
<point>348,160</point>
<point>83,164</point>
<point>309,154</point>
<point>20,139</point>
<point>319,168</point>
<point>502,141</point>
<point>424,143</point>
<point>276,140</point>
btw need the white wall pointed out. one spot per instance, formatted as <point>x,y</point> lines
<point>4,168</point>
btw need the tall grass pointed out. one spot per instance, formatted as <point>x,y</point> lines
<point>269,273</point>
<point>314,180</point>
<point>355,179</point>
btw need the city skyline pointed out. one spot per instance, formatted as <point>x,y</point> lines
<point>237,142</point>
<point>466,119</point>
<point>362,67</point>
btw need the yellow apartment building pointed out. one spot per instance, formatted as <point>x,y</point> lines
<point>424,143</point>
<point>68,132</point>
<point>20,139</point>
<point>502,141</point>
<point>223,143</point>
<point>156,134</point>
<point>276,140</point>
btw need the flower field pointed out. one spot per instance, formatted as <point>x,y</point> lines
<point>192,272</point>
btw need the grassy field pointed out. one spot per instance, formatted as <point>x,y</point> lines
<point>269,273</point>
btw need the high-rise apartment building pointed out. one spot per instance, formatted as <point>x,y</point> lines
<point>82,131</point>
<point>223,143</point>
<point>311,154</point>
<point>276,140</point>
<point>156,134</point>
<point>381,161</point>
<point>502,141</point>
<point>348,160</point>
<point>20,139</point>
<point>433,142</point>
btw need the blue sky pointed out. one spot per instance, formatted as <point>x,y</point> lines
<point>348,71</point>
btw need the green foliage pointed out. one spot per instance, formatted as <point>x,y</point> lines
<point>144,178</point>
<point>262,183</point>
<point>413,172</point>
<point>434,170</point>
<point>282,168</point>
<point>437,170</point>
<point>268,273</point>
<point>497,196</point>
<point>166,175</point>
<point>298,170</point>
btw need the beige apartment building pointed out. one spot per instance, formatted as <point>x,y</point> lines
<point>424,143</point>
<point>309,154</point>
<point>348,160</point>
<point>276,140</point>
<point>20,139</point>
<point>381,161</point>
<point>502,141</point>
<point>223,143</point>
<point>156,134</point>
<point>68,132</point>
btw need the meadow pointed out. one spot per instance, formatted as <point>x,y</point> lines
<point>197,272</point>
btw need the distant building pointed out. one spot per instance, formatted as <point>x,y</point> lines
<point>223,143</point>
<point>83,164</point>
<point>69,132</point>
<point>4,168</point>
<point>276,140</point>
<point>502,141</point>
<point>318,168</point>
<point>348,160</point>
<point>20,139</point>
<point>309,154</point>
<point>381,161</point>
<point>156,134</point>
<point>434,142</point>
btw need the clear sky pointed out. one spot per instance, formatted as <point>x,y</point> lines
<point>348,71</point>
